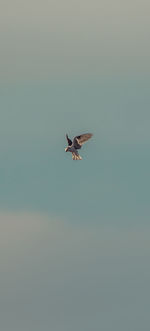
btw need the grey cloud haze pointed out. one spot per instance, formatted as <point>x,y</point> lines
<point>60,276</point>
<point>81,38</point>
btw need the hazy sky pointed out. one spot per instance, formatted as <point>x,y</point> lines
<point>44,39</point>
<point>74,236</point>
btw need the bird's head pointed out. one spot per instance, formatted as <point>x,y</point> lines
<point>66,149</point>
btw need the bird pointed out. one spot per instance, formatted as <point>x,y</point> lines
<point>76,144</point>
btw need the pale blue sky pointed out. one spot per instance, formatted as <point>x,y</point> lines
<point>38,175</point>
<point>74,239</point>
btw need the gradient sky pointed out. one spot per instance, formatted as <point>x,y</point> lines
<point>74,239</point>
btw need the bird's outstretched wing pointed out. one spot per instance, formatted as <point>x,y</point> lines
<point>69,140</point>
<point>78,141</point>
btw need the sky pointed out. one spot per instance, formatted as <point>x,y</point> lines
<point>74,239</point>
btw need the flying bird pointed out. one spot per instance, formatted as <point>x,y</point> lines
<point>76,144</point>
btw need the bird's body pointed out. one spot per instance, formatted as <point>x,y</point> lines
<point>76,144</point>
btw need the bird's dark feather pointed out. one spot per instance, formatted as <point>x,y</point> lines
<point>78,141</point>
<point>69,140</point>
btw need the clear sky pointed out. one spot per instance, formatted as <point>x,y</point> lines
<point>74,236</point>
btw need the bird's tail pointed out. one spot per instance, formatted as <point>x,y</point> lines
<point>76,156</point>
